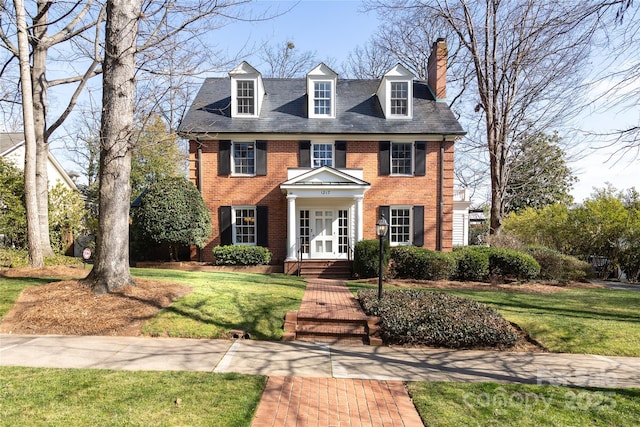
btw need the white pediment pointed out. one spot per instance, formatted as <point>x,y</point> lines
<point>325,176</point>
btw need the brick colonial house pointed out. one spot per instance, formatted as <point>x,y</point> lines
<point>307,166</point>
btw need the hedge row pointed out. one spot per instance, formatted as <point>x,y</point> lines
<point>471,263</point>
<point>416,316</point>
<point>241,255</point>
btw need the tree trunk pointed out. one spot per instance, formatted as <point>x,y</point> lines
<point>31,203</point>
<point>39,81</point>
<point>111,267</point>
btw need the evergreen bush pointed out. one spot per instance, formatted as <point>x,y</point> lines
<point>366,256</point>
<point>509,263</point>
<point>241,255</point>
<point>411,262</point>
<point>417,316</point>
<point>473,263</point>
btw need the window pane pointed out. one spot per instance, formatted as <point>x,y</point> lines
<point>322,155</point>
<point>399,98</point>
<point>245,226</point>
<point>244,158</point>
<point>400,226</point>
<point>245,97</point>
<point>322,98</point>
<point>401,158</point>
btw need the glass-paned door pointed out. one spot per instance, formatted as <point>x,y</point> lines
<point>323,234</point>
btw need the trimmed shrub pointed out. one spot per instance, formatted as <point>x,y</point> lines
<point>411,262</point>
<point>241,255</point>
<point>508,263</point>
<point>557,266</point>
<point>417,316</point>
<point>473,263</point>
<point>366,255</point>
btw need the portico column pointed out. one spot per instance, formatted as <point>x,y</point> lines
<point>291,228</point>
<point>359,217</point>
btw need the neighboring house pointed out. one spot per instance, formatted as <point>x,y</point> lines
<point>12,148</point>
<point>461,204</point>
<point>307,166</point>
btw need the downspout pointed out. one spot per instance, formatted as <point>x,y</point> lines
<point>441,193</point>
<point>199,179</point>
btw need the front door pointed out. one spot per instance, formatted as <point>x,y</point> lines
<point>323,233</point>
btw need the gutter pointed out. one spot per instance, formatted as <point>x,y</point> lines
<point>199,186</point>
<point>441,194</point>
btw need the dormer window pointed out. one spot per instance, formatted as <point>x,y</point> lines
<point>321,92</point>
<point>399,98</point>
<point>395,93</point>
<point>246,97</point>
<point>322,98</point>
<point>247,91</point>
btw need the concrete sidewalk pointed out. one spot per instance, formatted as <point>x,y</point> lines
<point>309,360</point>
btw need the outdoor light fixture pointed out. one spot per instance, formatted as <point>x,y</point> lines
<point>382,228</point>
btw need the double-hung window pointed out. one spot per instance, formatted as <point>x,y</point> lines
<point>401,158</point>
<point>322,98</point>
<point>399,98</point>
<point>400,225</point>
<point>321,155</point>
<point>244,225</point>
<point>246,97</point>
<point>244,158</point>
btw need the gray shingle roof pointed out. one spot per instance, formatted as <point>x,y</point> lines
<point>10,140</point>
<point>284,110</point>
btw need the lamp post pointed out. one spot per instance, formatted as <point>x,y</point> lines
<point>382,227</point>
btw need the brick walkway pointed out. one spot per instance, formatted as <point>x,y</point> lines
<point>329,299</point>
<point>333,402</point>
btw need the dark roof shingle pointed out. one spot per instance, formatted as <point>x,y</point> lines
<point>284,110</point>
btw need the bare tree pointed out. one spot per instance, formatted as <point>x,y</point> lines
<point>528,59</point>
<point>111,267</point>
<point>286,63</point>
<point>35,250</point>
<point>370,61</point>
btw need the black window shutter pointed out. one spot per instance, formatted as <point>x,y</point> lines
<point>385,212</point>
<point>418,226</point>
<point>224,221</point>
<point>421,158</point>
<point>304,156</point>
<point>224,158</point>
<point>341,154</point>
<point>262,225</point>
<point>261,157</point>
<point>384,158</point>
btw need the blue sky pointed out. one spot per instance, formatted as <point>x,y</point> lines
<point>332,29</point>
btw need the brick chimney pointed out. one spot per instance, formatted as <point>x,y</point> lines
<point>437,69</point>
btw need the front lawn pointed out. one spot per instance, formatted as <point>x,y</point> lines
<point>220,302</point>
<point>583,320</point>
<point>594,321</point>
<point>88,397</point>
<point>445,404</point>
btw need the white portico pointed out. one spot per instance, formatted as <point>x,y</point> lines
<point>324,212</point>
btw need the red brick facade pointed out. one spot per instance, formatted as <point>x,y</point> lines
<point>281,155</point>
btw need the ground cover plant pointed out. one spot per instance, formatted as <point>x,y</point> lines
<point>88,397</point>
<point>576,318</point>
<point>445,404</point>
<point>417,316</point>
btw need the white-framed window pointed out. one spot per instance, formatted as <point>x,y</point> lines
<point>322,98</point>
<point>321,155</point>
<point>244,225</point>
<point>399,98</point>
<point>400,225</point>
<point>401,158</point>
<point>246,97</point>
<point>244,158</point>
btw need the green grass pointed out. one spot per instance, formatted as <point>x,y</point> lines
<point>72,397</point>
<point>221,302</point>
<point>595,321</point>
<point>490,404</point>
